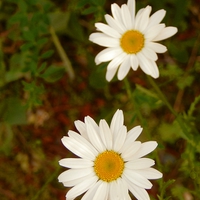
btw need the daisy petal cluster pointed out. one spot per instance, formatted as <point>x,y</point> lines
<point>131,40</point>
<point>111,162</point>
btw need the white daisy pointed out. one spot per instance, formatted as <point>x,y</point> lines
<point>131,40</point>
<point>110,162</point>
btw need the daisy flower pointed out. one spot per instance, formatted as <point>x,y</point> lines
<point>131,40</point>
<point>111,162</point>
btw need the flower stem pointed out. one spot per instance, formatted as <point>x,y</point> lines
<point>185,133</point>
<point>63,55</point>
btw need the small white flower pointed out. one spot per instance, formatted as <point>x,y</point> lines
<point>131,40</point>
<point>110,162</point>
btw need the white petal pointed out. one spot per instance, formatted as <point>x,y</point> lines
<point>156,18</point>
<point>137,179</point>
<point>116,61</point>
<point>104,40</point>
<point>149,53</point>
<point>134,62</point>
<point>89,120</point>
<point>166,33</point>
<point>124,68</point>
<point>116,122</point>
<point>107,54</point>
<point>91,192</point>
<point>158,48</point>
<point>112,23</point>
<point>120,138</point>
<point>107,30</point>
<point>148,66</point>
<point>81,147</point>
<point>141,163</point>
<point>106,134</point>
<point>131,6</point>
<point>81,188</point>
<point>94,137</point>
<point>142,21</point>
<point>138,192</point>
<point>133,134</point>
<point>126,17</point>
<point>116,12</point>
<point>130,150</point>
<point>73,174</point>
<point>102,191</point>
<point>110,74</point>
<point>154,31</point>
<point>75,163</point>
<point>150,173</point>
<point>145,149</point>
<point>80,126</point>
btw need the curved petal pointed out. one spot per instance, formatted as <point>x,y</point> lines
<point>126,17</point>
<point>120,138</point>
<point>138,192</point>
<point>112,23</point>
<point>158,48</point>
<point>75,163</point>
<point>142,21</point>
<point>104,40</point>
<point>137,179</point>
<point>154,31</point>
<point>116,122</point>
<point>148,66</point>
<point>73,174</point>
<point>81,188</point>
<point>94,137</point>
<point>131,6</point>
<point>108,54</point>
<point>156,18</point>
<point>102,191</point>
<point>149,53</point>
<point>116,13</point>
<point>91,192</point>
<point>80,146</point>
<point>130,150</point>
<point>107,30</point>
<point>124,68</point>
<point>116,61</point>
<point>166,33</point>
<point>145,148</point>
<point>134,62</point>
<point>142,163</point>
<point>150,173</point>
<point>80,126</point>
<point>110,74</point>
<point>106,134</point>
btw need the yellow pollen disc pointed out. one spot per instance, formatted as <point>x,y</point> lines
<point>108,166</point>
<point>132,41</point>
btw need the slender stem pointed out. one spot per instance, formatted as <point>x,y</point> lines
<point>62,54</point>
<point>185,133</point>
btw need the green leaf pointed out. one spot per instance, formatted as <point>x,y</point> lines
<point>53,73</point>
<point>26,46</point>
<point>91,9</point>
<point>47,54</point>
<point>14,111</point>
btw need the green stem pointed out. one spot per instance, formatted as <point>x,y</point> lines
<point>62,54</point>
<point>185,134</point>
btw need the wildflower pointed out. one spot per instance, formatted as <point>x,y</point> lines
<point>131,40</point>
<point>110,162</point>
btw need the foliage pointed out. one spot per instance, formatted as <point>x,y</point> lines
<point>48,79</point>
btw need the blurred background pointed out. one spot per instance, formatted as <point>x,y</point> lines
<point>48,79</point>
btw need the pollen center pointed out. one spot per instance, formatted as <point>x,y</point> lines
<point>132,41</point>
<point>108,166</point>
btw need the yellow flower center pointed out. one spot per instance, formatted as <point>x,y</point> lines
<point>108,166</point>
<point>132,41</point>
